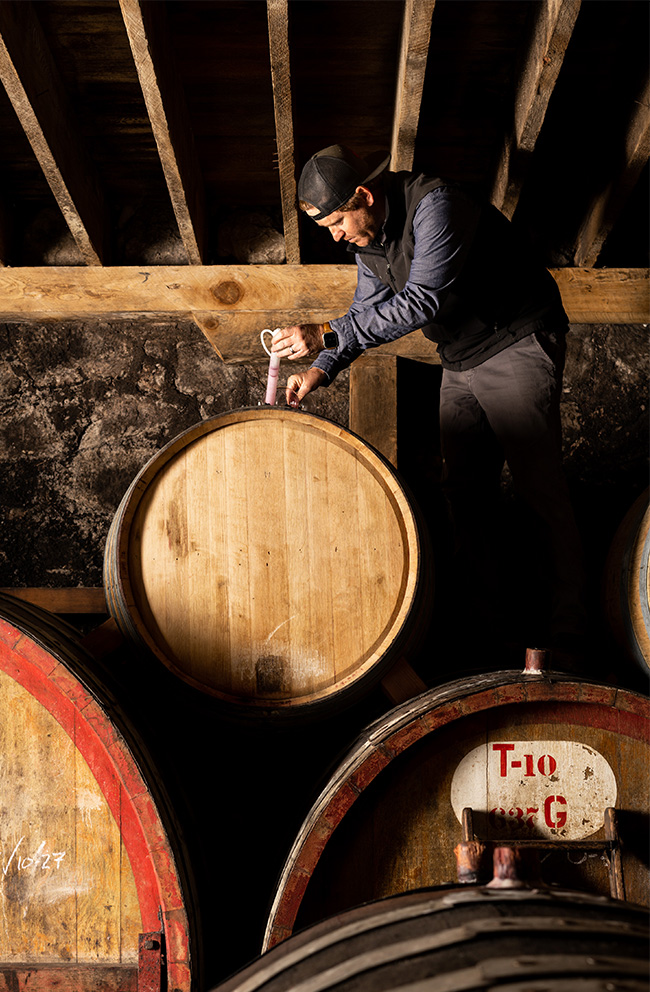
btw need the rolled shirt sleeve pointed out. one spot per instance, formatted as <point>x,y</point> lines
<point>444,225</point>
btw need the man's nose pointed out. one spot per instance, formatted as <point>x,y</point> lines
<point>337,233</point>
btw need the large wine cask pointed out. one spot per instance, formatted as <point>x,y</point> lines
<point>537,758</point>
<point>96,892</point>
<point>626,584</point>
<point>452,940</point>
<point>271,559</point>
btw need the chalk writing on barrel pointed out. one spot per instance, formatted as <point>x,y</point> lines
<point>41,858</point>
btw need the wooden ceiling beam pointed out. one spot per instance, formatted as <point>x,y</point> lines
<point>36,92</point>
<point>606,207</point>
<point>278,21</point>
<point>232,303</point>
<point>152,49</point>
<point>414,50</point>
<point>539,68</point>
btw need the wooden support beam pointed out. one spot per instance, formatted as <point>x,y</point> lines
<point>147,30</point>
<point>605,296</point>
<point>402,682</point>
<point>232,303</point>
<point>373,404</point>
<point>235,336</point>
<point>606,207</point>
<point>278,21</point>
<point>34,87</point>
<point>105,639</point>
<point>394,405</point>
<point>81,599</point>
<point>414,50</point>
<point>554,21</point>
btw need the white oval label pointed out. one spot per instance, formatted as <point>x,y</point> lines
<point>534,789</point>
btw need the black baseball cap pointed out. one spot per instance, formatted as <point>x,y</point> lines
<point>331,176</point>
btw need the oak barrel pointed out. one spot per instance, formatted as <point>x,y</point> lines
<point>94,883</point>
<point>270,558</point>
<point>537,758</point>
<point>626,584</point>
<point>451,940</point>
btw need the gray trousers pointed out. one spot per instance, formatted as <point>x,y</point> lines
<point>508,409</point>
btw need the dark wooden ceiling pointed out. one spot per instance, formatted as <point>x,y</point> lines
<point>168,114</point>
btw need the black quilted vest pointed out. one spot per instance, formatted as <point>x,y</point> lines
<point>501,295</point>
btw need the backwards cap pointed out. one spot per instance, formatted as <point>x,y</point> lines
<point>331,176</point>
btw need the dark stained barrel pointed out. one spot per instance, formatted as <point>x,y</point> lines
<point>626,584</point>
<point>271,559</point>
<point>537,757</point>
<point>94,885</point>
<point>448,940</point>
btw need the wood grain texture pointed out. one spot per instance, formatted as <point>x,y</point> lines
<point>278,21</point>
<point>414,50</point>
<point>87,862</point>
<point>73,599</point>
<point>68,895</point>
<point>266,556</point>
<point>605,296</point>
<point>69,978</point>
<point>373,404</point>
<point>232,303</point>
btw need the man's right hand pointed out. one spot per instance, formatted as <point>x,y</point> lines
<point>301,383</point>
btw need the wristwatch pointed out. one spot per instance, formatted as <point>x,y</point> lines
<point>330,337</point>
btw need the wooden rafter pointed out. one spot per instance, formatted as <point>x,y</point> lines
<point>539,69</point>
<point>278,20</point>
<point>607,205</point>
<point>147,31</point>
<point>232,303</point>
<point>34,87</point>
<point>414,49</point>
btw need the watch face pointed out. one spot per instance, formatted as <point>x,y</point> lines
<point>330,339</point>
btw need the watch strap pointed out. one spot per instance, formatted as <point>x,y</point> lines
<point>330,337</point>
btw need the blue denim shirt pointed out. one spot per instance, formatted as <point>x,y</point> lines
<point>444,225</point>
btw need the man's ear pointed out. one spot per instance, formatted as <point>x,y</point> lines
<point>367,194</point>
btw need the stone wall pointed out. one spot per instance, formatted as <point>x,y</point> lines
<point>85,405</point>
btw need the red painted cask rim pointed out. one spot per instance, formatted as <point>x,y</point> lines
<point>78,713</point>
<point>581,702</point>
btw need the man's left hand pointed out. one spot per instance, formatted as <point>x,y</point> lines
<point>297,342</point>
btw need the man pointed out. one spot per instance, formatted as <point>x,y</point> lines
<point>430,255</point>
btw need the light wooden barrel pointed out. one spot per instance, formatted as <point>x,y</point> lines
<point>451,940</point>
<point>626,584</point>
<point>90,876</point>
<point>537,759</point>
<point>271,559</point>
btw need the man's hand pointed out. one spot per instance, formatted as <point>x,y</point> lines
<point>301,383</point>
<point>298,341</point>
